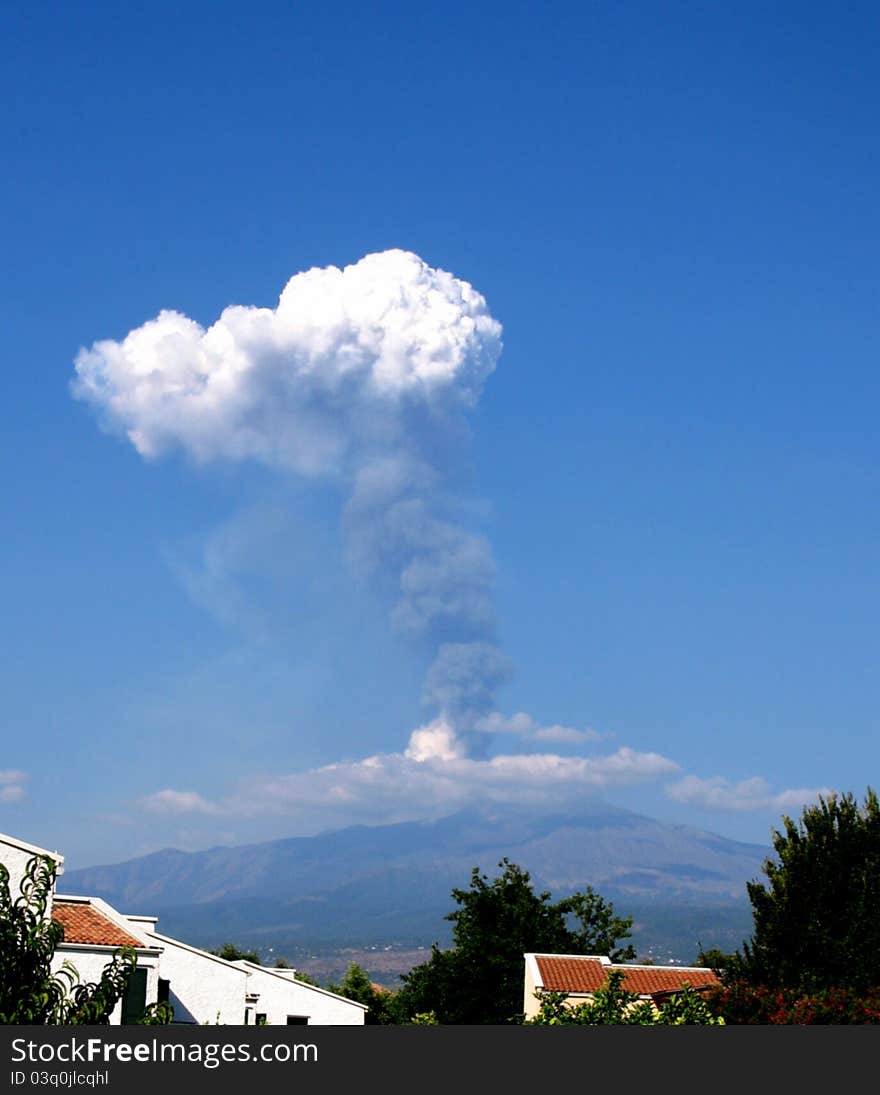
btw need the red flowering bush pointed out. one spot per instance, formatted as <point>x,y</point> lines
<point>739,1003</point>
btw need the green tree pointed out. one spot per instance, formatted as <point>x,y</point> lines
<point>232,953</point>
<point>816,920</point>
<point>30,993</point>
<point>307,978</point>
<point>357,986</point>
<point>480,979</point>
<point>597,929</point>
<point>719,961</point>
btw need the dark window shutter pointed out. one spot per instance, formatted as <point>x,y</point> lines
<point>134,999</point>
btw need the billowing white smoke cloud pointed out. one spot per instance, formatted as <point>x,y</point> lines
<point>331,378</point>
<point>363,376</point>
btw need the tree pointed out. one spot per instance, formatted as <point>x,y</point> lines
<point>598,929</point>
<point>232,953</point>
<point>480,980</point>
<point>307,978</point>
<point>357,986</point>
<point>816,922</point>
<point>614,1005</point>
<point>717,960</point>
<point>29,992</point>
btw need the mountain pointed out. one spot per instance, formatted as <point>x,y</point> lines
<point>377,885</point>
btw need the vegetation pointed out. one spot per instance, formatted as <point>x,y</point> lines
<point>815,921</point>
<point>301,975</point>
<point>357,986</point>
<point>480,979</point>
<point>30,993</point>
<point>714,959</point>
<point>613,1005</point>
<point>159,1014</point>
<point>741,1003</point>
<point>232,953</point>
<point>813,955</point>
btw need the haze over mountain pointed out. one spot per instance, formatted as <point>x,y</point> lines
<point>364,884</point>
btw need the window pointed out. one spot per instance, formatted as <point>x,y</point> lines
<point>164,990</point>
<point>260,1019</point>
<point>297,1020</point>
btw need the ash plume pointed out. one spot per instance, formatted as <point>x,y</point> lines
<point>362,376</point>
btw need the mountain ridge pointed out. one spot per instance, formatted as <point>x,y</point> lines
<point>598,847</point>
<point>379,885</point>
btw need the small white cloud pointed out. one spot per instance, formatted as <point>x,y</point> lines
<point>718,793</point>
<point>179,802</point>
<point>11,785</point>
<point>524,726</point>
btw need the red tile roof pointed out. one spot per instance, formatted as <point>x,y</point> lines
<point>83,923</point>
<point>572,974</point>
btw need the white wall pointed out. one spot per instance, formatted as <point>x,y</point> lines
<point>280,995</point>
<point>212,989</point>
<point>15,856</point>
<point>89,962</point>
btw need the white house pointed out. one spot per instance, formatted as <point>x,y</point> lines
<point>212,990</point>
<point>93,932</point>
<point>201,987</point>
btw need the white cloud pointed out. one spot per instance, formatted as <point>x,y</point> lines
<point>524,726</point>
<point>433,776</point>
<point>179,802</point>
<point>333,369</point>
<point>11,785</point>
<point>436,741</point>
<point>718,793</point>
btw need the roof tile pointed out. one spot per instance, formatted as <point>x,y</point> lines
<point>583,975</point>
<point>83,923</point>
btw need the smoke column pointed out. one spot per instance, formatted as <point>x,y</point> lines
<point>363,376</point>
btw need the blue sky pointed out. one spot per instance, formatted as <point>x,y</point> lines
<point>656,514</point>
